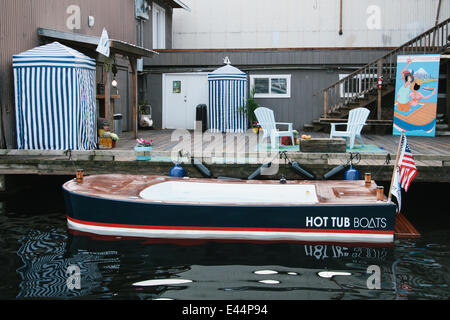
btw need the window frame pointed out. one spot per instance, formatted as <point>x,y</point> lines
<point>270,77</point>
<point>159,40</point>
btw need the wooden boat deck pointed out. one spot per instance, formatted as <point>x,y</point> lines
<point>122,187</point>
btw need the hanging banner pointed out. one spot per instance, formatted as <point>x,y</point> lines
<point>104,44</point>
<point>416,91</point>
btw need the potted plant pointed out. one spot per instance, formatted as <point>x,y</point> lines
<point>249,109</point>
<point>144,107</point>
<point>107,139</point>
<point>114,138</point>
<point>256,127</point>
<point>143,148</point>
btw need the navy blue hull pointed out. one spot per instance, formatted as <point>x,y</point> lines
<point>377,219</point>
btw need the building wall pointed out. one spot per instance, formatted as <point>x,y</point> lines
<point>311,70</point>
<point>304,105</point>
<point>19,21</point>
<point>151,85</point>
<point>148,27</point>
<point>305,23</point>
<point>301,108</point>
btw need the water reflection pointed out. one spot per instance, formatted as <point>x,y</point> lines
<point>118,268</point>
<point>417,272</point>
<point>46,265</point>
<point>197,269</point>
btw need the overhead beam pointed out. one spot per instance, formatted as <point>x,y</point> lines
<point>91,42</point>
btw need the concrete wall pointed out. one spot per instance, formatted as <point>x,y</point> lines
<point>305,23</point>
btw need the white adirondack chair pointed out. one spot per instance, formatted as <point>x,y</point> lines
<point>267,122</point>
<point>356,121</point>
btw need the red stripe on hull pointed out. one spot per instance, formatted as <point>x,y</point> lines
<point>112,225</point>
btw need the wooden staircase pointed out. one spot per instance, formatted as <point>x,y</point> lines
<point>360,88</point>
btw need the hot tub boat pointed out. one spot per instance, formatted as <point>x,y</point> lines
<point>168,207</point>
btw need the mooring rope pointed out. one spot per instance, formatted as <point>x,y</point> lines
<point>386,163</point>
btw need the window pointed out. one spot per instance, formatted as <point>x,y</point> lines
<point>271,86</point>
<point>159,27</point>
<point>176,86</point>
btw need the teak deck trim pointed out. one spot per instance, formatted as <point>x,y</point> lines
<point>122,187</point>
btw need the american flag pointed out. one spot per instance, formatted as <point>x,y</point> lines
<point>407,166</point>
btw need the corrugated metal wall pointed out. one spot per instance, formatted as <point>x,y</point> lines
<point>19,21</point>
<point>305,23</point>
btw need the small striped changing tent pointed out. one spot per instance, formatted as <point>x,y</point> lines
<point>227,98</point>
<point>55,88</point>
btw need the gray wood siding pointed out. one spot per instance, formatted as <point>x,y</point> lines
<point>152,85</point>
<point>303,106</point>
<point>296,57</point>
<point>19,21</point>
<point>311,71</point>
<point>148,27</point>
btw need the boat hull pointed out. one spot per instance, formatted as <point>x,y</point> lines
<point>306,222</point>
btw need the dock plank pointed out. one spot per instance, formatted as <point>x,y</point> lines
<point>404,229</point>
<point>432,155</point>
<point>419,145</point>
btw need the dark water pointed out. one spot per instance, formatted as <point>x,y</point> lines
<point>40,258</point>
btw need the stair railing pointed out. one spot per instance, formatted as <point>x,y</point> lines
<point>364,80</point>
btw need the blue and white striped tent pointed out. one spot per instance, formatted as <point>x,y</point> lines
<point>227,94</point>
<point>55,89</point>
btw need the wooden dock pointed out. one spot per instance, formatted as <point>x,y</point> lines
<point>231,156</point>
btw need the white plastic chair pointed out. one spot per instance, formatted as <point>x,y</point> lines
<point>267,122</point>
<point>356,121</point>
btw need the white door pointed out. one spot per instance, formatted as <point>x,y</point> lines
<point>182,94</point>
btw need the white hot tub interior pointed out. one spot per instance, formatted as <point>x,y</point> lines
<point>230,193</point>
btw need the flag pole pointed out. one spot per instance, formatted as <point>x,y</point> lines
<point>395,167</point>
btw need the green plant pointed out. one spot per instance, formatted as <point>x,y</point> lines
<point>250,107</point>
<point>143,107</point>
